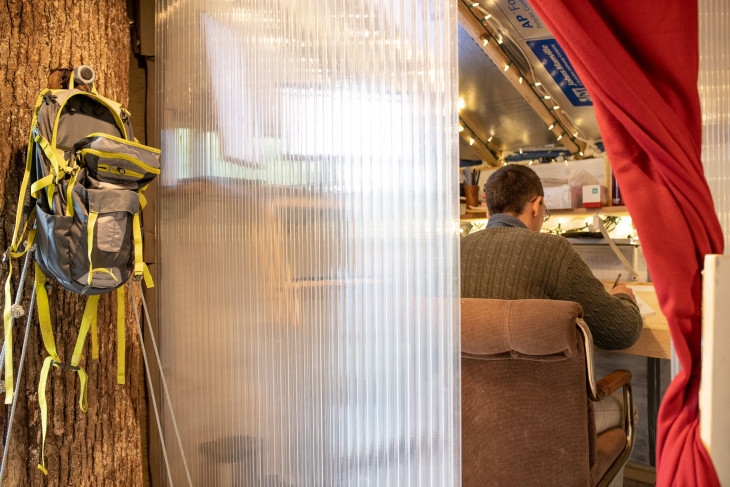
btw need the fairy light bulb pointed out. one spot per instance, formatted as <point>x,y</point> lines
<point>471,141</point>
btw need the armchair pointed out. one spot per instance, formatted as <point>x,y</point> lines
<point>527,398</point>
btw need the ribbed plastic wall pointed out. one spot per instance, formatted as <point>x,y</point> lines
<point>714,87</point>
<point>308,241</point>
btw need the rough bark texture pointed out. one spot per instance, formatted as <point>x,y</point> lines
<point>42,40</point>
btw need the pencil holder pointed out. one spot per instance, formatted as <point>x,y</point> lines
<point>471,191</point>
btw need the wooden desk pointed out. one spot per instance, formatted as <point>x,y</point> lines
<point>655,340</point>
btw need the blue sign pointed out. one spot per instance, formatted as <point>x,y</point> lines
<point>553,58</point>
<point>524,19</point>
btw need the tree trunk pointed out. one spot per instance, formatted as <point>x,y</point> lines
<point>42,41</point>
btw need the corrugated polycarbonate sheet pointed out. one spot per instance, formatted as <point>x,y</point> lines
<point>714,88</point>
<point>308,241</point>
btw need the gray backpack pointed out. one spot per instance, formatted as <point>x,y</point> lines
<point>84,180</point>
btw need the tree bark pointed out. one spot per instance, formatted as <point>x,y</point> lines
<point>43,40</point>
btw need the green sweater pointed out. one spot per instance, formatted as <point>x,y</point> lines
<point>516,263</point>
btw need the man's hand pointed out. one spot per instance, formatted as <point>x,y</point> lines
<point>623,289</point>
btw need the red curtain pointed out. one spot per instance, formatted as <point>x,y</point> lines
<point>639,62</point>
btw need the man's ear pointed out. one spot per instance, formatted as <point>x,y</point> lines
<point>536,206</point>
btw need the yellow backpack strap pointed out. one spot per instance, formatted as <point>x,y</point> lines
<point>8,324</point>
<point>26,175</point>
<point>93,215</point>
<point>140,268</point>
<point>121,338</point>
<point>44,316</point>
<point>8,319</point>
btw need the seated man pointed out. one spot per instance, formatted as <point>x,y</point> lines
<point>511,259</point>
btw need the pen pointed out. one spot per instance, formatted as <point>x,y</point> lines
<point>616,281</point>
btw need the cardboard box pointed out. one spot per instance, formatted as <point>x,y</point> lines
<point>595,196</point>
<point>562,197</point>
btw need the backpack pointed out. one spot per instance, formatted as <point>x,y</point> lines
<point>82,191</point>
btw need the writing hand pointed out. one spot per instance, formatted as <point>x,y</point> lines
<point>623,289</point>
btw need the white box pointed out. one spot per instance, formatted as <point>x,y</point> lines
<point>561,197</point>
<point>594,196</point>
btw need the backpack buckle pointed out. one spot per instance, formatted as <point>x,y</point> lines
<point>66,366</point>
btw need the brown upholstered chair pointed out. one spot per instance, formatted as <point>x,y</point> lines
<point>527,393</point>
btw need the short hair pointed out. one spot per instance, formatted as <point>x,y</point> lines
<point>510,188</point>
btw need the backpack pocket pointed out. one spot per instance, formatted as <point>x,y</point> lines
<point>113,162</point>
<point>110,240</point>
<point>53,237</point>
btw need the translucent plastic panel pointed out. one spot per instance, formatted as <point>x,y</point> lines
<point>308,241</point>
<point>714,87</point>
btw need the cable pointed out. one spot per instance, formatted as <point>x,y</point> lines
<point>164,383</point>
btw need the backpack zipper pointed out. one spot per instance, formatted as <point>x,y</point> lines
<point>98,98</point>
<point>130,159</point>
<point>125,141</point>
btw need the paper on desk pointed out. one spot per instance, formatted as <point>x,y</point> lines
<point>639,288</point>
<point>644,308</point>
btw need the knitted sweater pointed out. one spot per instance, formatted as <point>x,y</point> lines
<point>516,263</point>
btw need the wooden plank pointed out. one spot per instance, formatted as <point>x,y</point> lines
<point>488,155</point>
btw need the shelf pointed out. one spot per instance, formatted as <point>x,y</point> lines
<point>479,213</point>
<point>606,210</point>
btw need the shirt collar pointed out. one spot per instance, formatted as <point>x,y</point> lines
<point>503,220</point>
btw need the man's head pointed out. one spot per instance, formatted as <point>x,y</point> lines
<point>516,190</point>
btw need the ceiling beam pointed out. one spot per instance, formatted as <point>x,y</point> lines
<point>522,82</point>
<point>475,137</point>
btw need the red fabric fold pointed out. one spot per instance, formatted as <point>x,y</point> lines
<point>639,62</point>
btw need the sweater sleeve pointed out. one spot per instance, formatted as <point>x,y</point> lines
<point>614,320</point>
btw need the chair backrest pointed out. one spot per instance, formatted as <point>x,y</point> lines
<point>526,415</point>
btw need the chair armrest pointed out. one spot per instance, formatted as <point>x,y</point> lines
<point>612,382</point>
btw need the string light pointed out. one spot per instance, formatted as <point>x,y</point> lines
<point>539,93</point>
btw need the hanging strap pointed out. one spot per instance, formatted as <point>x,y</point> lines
<point>26,175</point>
<point>121,337</point>
<point>140,267</point>
<point>93,215</point>
<point>8,324</point>
<point>8,318</point>
<point>44,317</point>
